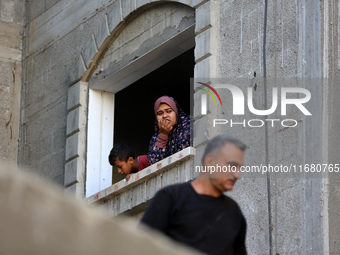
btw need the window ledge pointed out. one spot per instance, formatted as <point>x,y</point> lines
<point>143,175</point>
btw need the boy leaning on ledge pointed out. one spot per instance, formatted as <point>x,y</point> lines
<point>123,158</point>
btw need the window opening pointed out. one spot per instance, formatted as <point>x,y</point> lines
<point>133,115</point>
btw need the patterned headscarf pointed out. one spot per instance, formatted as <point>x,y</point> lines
<point>166,100</point>
<point>174,106</point>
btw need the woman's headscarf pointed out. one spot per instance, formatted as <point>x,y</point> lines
<point>174,106</point>
<point>166,100</point>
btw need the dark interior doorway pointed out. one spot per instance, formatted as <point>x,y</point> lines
<point>134,118</point>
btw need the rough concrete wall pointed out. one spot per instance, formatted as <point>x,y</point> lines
<point>293,49</point>
<point>11,27</point>
<point>37,7</point>
<point>55,38</point>
<point>330,69</point>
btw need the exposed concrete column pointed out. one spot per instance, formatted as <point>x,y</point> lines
<point>74,179</point>
<point>206,57</point>
<point>331,123</point>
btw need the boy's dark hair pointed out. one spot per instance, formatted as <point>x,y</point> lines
<point>121,152</point>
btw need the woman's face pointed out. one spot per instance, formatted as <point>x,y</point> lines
<point>166,113</point>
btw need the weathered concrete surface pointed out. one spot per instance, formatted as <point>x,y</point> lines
<point>294,48</point>
<point>331,120</point>
<point>49,56</point>
<point>36,218</point>
<point>11,22</point>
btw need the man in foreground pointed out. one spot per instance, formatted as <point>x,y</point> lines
<point>198,213</point>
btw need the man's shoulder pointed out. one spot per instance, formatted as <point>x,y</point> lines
<point>231,202</point>
<point>176,189</point>
<point>229,199</point>
<point>177,186</point>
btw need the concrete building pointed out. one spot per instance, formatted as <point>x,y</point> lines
<point>78,76</point>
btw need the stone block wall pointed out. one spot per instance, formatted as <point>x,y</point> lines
<point>56,33</point>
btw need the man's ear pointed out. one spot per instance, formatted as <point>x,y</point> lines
<point>130,160</point>
<point>209,160</point>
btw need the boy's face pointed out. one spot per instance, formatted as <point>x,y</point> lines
<point>124,167</point>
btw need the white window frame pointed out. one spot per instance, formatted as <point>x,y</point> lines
<point>99,140</point>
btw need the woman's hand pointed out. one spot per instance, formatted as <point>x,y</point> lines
<point>165,127</point>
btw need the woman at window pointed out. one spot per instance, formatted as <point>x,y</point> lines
<point>172,130</point>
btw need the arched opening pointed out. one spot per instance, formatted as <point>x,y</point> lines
<point>128,81</point>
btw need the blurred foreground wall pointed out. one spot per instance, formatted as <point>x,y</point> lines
<point>77,56</point>
<point>37,218</point>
